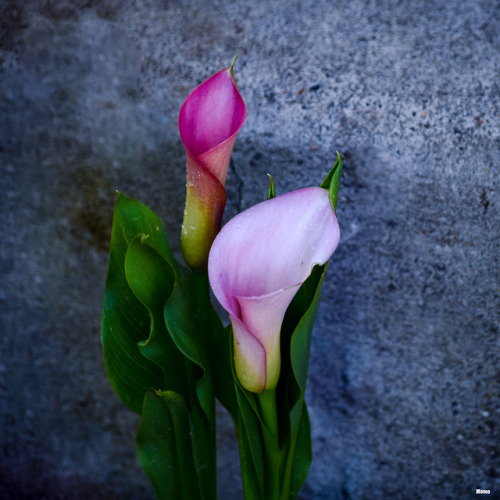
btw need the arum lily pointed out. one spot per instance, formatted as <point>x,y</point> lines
<point>209,121</point>
<point>256,265</point>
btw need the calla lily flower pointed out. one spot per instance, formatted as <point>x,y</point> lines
<point>258,262</point>
<point>209,121</point>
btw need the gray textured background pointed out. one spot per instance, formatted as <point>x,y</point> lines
<point>405,374</point>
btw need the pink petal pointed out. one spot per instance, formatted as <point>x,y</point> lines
<point>272,246</point>
<point>209,120</point>
<point>256,265</point>
<point>262,317</point>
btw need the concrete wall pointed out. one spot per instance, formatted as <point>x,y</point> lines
<point>405,365</point>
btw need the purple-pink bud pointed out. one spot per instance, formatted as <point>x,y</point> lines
<point>209,121</point>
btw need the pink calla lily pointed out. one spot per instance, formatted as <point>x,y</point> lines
<point>256,265</point>
<point>209,121</point>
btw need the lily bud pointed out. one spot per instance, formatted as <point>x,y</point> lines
<point>209,121</point>
<point>256,265</point>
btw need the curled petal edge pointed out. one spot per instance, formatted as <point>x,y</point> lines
<point>209,120</point>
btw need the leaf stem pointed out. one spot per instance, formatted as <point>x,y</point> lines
<point>270,435</point>
<point>269,411</point>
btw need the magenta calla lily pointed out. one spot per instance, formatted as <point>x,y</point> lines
<point>256,265</point>
<point>209,121</point>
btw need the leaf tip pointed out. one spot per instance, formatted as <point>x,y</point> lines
<point>232,66</point>
<point>332,181</point>
<point>271,191</point>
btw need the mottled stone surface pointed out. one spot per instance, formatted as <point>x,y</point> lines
<point>405,366</point>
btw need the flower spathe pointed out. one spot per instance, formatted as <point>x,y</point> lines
<point>256,265</point>
<point>209,121</point>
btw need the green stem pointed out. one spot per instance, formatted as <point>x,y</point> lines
<point>269,411</point>
<point>270,434</point>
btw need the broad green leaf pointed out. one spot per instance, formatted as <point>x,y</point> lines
<point>296,334</point>
<point>185,317</point>
<point>176,344</point>
<point>180,317</point>
<point>165,351</point>
<point>164,446</point>
<point>301,338</point>
<point>191,336</point>
<point>300,319</point>
<point>152,280</point>
<point>125,321</point>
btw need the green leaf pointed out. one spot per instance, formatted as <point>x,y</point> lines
<point>125,321</point>
<point>148,274</point>
<point>192,338</point>
<point>299,320</point>
<point>301,338</point>
<point>332,182</point>
<point>252,480</point>
<point>164,446</point>
<point>176,344</point>
<point>179,318</point>
<point>152,280</point>
<point>302,456</point>
<point>249,434</point>
<point>166,350</point>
